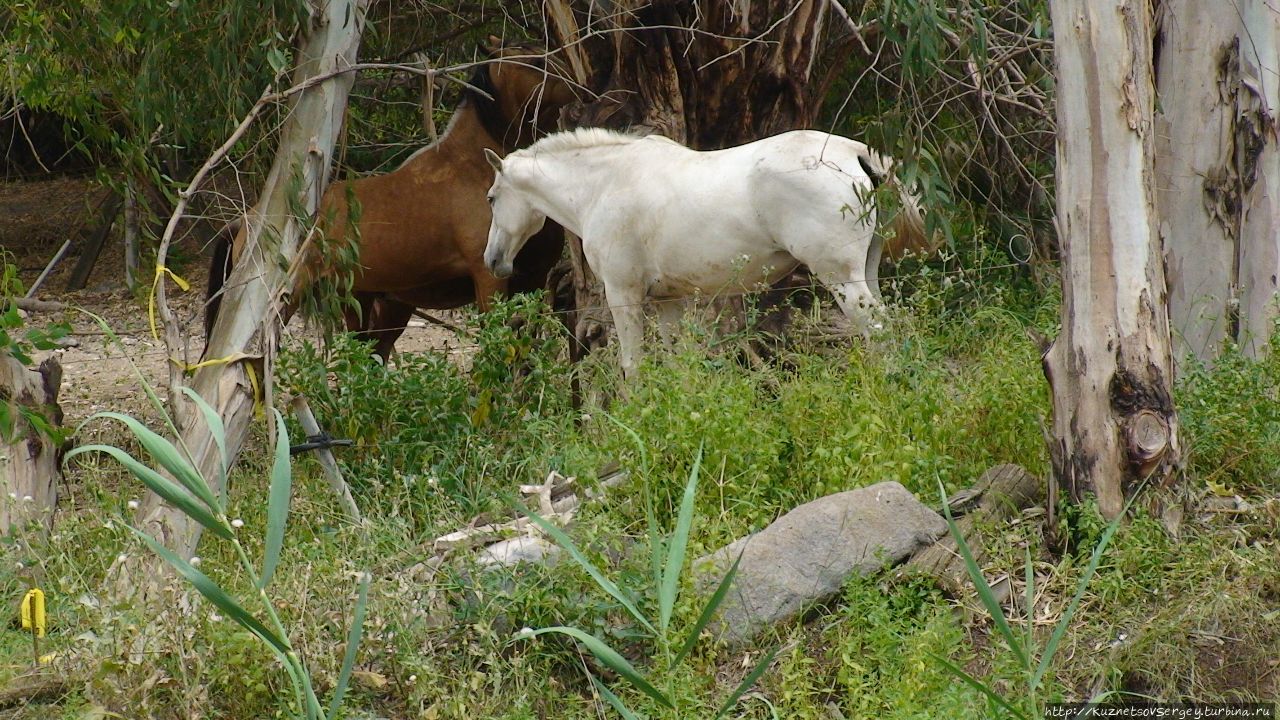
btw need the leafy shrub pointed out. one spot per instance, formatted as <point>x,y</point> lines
<point>1230,417</point>
<point>425,425</point>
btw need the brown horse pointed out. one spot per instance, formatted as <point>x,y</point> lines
<point>422,228</point>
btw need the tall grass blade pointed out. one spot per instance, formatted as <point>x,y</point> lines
<point>142,379</point>
<point>976,684</point>
<point>353,643</point>
<point>1051,648</point>
<point>605,583</point>
<point>612,699</point>
<point>277,503</point>
<point>679,542</point>
<point>612,659</point>
<point>1030,604</point>
<point>162,486</point>
<point>655,533</point>
<point>984,590</point>
<point>168,456</point>
<point>717,598</point>
<point>217,596</point>
<point>747,682</point>
<point>655,538</point>
<point>635,438</point>
<point>216,428</point>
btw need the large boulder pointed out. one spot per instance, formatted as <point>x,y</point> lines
<point>807,555</point>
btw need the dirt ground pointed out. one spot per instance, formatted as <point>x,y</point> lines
<point>36,217</point>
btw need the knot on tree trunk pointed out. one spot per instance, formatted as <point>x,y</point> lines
<point>1145,413</point>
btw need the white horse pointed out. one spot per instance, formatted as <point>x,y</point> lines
<point>660,221</point>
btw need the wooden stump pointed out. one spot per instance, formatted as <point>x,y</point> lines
<point>29,459</point>
<point>1000,494</point>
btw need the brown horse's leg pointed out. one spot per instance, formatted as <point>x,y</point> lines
<point>387,321</point>
<point>487,286</point>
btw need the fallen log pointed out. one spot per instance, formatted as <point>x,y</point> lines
<point>33,305</point>
<point>1000,495</point>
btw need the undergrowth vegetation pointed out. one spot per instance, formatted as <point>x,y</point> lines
<point>952,387</point>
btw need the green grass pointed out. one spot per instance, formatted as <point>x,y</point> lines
<point>952,389</point>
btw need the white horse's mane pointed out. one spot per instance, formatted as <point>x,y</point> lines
<point>587,137</point>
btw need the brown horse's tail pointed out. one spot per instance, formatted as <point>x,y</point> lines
<point>909,236</point>
<point>219,271</point>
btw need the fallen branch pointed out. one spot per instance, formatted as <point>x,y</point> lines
<point>40,686</point>
<point>33,305</point>
<point>557,499</point>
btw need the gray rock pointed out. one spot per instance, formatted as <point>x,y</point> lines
<point>809,553</point>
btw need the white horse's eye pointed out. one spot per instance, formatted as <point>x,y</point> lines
<point>490,198</point>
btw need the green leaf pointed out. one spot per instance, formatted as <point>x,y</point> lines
<point>353,644</point>
<point>168,456</point>
<point>278,503</point>
<point>1051,648</point>
<point>217,596</point>
<point>612,699</point>
<point>747,682</point>
<point>984,590</point>
<point>162,486</point>
<point>670,587</point>
<point>979,686</point>
<point>216,429</point>
<point>276,58</point>
<point>612,659</point>
<point>717,598</point>
<point>605,583</point>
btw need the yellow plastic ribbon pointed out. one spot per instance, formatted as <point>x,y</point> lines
<point>233,357</point>
<point>33,617</point>
<point>155,285</point>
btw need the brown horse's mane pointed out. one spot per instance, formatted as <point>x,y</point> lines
<point>481,94</point>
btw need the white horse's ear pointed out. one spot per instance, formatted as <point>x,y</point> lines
<point>493,159</point>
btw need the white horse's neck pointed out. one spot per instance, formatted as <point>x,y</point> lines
<point>565,183</point>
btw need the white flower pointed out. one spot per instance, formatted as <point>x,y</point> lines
<point>215,617</point>
<point>524,632</point>
<point>237,523</point>
<point>413,678</point>
<point>195,561</point>
<point>133,504</point>
<point>121,557</point>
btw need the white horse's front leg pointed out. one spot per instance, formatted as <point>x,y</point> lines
<point>627,309</point>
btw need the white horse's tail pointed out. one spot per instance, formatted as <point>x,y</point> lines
<point>908,224</point>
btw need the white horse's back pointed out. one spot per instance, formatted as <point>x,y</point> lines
<point>719,221</point>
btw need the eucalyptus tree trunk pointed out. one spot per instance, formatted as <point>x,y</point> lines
<point>29,459</point>
<point>1218,171</point>
<point>707,73</point>
<point>1110,369</point>
<point>248,325</point>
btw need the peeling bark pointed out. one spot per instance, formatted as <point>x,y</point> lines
<point>29,460</point>
<point>1218,170</point>
<point>1110,369</point>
